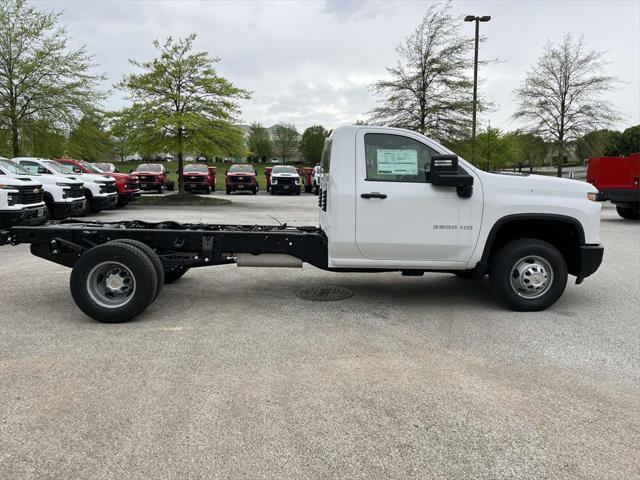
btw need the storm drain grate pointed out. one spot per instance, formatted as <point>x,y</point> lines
<point>324,294</point>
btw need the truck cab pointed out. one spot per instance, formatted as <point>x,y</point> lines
<point>241,177</point>
<point>127,187</point>
<point>285,179</point>
<point>153,177</point>
<point>62,196</point>
<point>199,177</point>
<point>99,191</point>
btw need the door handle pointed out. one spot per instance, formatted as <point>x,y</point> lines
<point>374,195</point>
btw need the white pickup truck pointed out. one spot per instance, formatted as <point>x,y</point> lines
<point>20,202</point>
<point>390,200</point>
<point>99,191</point>
<point>63,196</point>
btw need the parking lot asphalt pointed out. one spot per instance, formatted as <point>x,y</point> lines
<point>229,375</point>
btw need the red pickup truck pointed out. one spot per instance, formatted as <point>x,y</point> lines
<point>241,177</point>
<point>197,176</point>
<point>618,180</point>
<point>153,176</point>
<point>128,188</point>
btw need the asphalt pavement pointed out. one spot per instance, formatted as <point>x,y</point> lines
<point>230,375</point>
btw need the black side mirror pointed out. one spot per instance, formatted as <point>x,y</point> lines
<point>445,172</point>
<point>116,171</point>
<point>131,170</point>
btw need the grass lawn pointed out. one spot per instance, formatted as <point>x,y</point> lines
<point>125,167</point>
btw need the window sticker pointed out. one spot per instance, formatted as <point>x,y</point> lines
<point>397,162</point>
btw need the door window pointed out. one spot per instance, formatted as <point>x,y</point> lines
<point>34,167</point>
<point>394,158</point>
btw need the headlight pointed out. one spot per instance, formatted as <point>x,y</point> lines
<point>297,182</point>
<point>592,196</point>
<point>274,181</point>
<point>8,187</point>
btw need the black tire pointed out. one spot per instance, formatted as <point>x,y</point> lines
<point>171,185</point>
<point>528,262</point>
<point>137,264</point>
<point>153,256</point>
<point>50,210</point>
<point>173,274</point>
<point>207,190</point>
<point>228,191</point>
<point>272,192</point>
<point>298,192</point>
<point>160,189</point>
<point>628,213</point>
<point>254,191</point>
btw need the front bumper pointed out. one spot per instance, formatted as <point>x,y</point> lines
<point>105,202</point>
<point>27,216</point>
<point>196,185</point>
<point>241,186</point>
<point>128,196</point>
<point>69,209</point>
<point>285,188</point>
<point>626,195</point>
<point>590,260</point>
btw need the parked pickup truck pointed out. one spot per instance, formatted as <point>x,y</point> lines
<point>285,179</point>
<point>199,177</point>
<point>126,185</point>
<point>618,180</point>
<point>153,176</point>
<point>241,178</point>
<point>391,200</point>
<point>21,202</point>
<point>99,191</point>
<point>62,196</point>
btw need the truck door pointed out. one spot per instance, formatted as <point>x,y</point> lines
<point>399,215</point>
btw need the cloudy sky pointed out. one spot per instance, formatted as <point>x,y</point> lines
<point>310,62</point>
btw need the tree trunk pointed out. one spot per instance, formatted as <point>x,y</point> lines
<point>180,165</point>
<point>15,140</point>
<point>560,159</point>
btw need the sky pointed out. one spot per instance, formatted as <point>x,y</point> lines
<point>311,62</point>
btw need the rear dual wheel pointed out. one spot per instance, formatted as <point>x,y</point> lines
<point>116,281</point>
<point>628,213</point>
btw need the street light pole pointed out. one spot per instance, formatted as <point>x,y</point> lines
<point>473,18</point>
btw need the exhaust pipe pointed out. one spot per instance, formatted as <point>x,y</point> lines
<point>268,260</point>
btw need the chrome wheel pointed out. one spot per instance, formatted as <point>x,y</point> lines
<point>111,284</point>
<point>531,277</point>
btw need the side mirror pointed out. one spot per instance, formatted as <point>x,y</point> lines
<point>444,172</point>
<point>131,170</point>
<point>116,171</point>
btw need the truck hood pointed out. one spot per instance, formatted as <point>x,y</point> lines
<point>19,181</point>
<point>90,177</point>
<point>119,177</point>
<point>195,174</point>
<point>541,184</point>
<point>51,179</point>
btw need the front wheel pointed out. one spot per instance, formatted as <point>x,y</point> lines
<point>529,274</point>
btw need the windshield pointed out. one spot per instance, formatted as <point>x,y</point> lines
<point>14,168</point>
<point>90,167</point>
<point>241,169</point>
<point>58,168</point>
<point>284,169</point>
<point>149,167</point>
<point>196,169</point>
<point>105,167</point>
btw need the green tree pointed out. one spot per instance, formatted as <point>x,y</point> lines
<point>259,142</point>
<point>598,143</point>
<point>180,104</point>
<point>630,141</point>
<point>42,79</point>
<point>526,149</point>
<point>90,141</point>
<point>285,140</point>
<point>561,97</point>
<point>40,138</point>
<point>429,89</point>
<point>312,143</point>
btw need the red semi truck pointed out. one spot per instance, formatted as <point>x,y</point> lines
<point>618,180</point>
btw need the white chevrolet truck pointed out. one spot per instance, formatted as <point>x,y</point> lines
<point>63,196</point>
<point>390,200</point>
<point>20,202</point>
<point>100,192</point>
